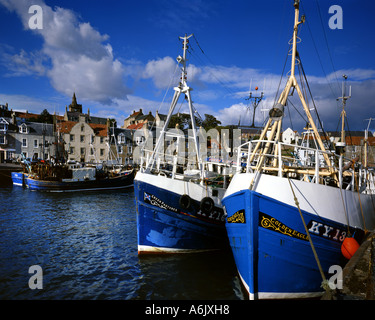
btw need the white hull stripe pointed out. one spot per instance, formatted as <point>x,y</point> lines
<point>279,295</point>
<point>151,249</point>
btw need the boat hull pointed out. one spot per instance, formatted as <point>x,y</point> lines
<point>117,182</point>
<point>165,227</point>
<point>270,245</point>
<point>19,178</point>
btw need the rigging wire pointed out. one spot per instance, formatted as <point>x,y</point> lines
<point>326,40</point>
<point>224,85</point>
<point>290,118</point>
<point>281,77</point>
<point>320,60</point>
<point>313,101</point>
<point>350,134</point>
<point>301,115</point>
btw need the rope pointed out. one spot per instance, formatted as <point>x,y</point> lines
<point>325,284</point>
<point>346,214</point>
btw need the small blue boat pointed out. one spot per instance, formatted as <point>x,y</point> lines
<point>119,181</point>
<point>44,176</point>
<point>19,178</point>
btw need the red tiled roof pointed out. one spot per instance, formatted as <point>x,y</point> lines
<point>26,115</point>
<point>135,114</point>
<point>66,126</point>
<point>99,129</point>
<point>135,126</point>
<point>357,141</point>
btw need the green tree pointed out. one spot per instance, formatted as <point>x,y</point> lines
<point>183,120</point>
<point>44,117</point>
<point>210,122</point>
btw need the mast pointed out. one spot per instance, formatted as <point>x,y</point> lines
<point>342,143</point>
<point>366,142</point>
<point>181,88</point>
<point>276,114</point>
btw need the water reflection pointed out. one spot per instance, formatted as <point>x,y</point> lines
<point>86,244</point>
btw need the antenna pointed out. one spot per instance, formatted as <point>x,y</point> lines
<point>256,101</point>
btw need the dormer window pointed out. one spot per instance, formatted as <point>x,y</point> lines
<point>3,125</point>
<point>121,138</point>
<point>23,128</point>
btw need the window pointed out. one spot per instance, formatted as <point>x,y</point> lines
<point>23,128</point>
<point>71,150</point>
<point>35,143</point>
<point>83,151</point>
<point>3,125</point>
<point>82,128</point>
<point>120,149</point>
<point>82,138</point>
<point>101,139</point>
<point>2,140</point>
<point>24,142</point>
<point>72,137</point>
<point>101,152</point>
<point>121,138</point>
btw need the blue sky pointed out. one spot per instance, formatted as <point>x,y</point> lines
<point>119,56</point>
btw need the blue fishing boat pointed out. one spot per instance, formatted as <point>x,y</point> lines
<point>58,177</point>
<point>178,196</point>
<point>288,218</point>
<point>18,178</point>
<point>82,179</point>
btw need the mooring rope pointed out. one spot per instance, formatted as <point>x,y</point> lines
<point>346,213</point>
<point>325,284</point>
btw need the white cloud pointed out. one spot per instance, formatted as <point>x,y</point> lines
<point>23,63</point>
<point>232,114</point>
<point>161,71</point>
<point>81,60</point>
<point>78,58</point>
<point>31,104</point>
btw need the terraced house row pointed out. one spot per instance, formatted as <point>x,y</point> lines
<point>75,136</point>
<point>82,137</point>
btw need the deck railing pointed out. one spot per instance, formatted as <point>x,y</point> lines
<point>304,163</point>
<point>175,166</point>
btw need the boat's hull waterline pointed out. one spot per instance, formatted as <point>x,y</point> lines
<point>269,242</point>
<point>19,178</point>
<point>167,225</point>
<point>124,180</point>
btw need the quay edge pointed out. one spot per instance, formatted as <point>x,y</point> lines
<point>358,275</point>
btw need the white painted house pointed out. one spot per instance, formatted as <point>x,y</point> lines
<point>290,136</point>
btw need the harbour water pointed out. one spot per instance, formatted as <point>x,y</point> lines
<point>86,245</point>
